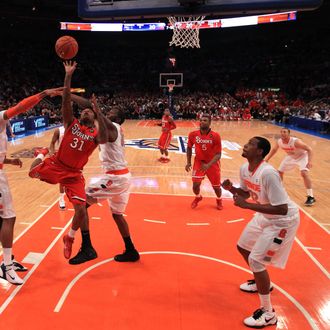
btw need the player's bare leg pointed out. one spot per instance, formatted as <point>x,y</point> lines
<point>130,253</point>
<point>218,192</point>
<point>250,286</point>
<point>198,196</point>
<point>7,271</point>
<point>308,185</point>
<point>162,157</point>
<point>81,220</point>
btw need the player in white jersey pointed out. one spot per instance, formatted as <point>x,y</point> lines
<point>53,147</point>
<point>268,237</point>
<point>10,266</point>
<point>113,185</point>
<point>299,155</point>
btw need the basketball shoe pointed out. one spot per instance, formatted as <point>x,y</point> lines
<point>310,201</point>
<point>128,255</point>
<point>68,241</point>
<point>61,203</point>
<point>260,319</point>
<point>196,201</point>
<point>84,254</point>
<point>43,151</point>
<point>17,266</point>
<point>219,204</point>
<point>251,287</point>
<point>8,273</point>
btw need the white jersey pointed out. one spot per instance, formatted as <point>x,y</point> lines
<point>290,148</point>
<point>3,137</point>
<point>265,187</point>
<point>112,154</point>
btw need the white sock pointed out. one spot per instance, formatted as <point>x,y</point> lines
<point>72,232</point>
<point>62,196</point>
<point>7,256</point>
<point>219,198</point>
<point>199,195</point>
<point>41,156</point>
<point>265,302</point>
<point>310,192</point>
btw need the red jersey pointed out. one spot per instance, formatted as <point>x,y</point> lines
<point>206,146</point>
<point>77,145</point>
<point>167,125</point>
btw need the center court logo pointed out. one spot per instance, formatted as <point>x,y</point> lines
<point>178,145</point>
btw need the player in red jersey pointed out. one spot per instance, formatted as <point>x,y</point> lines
<point>207,160</point>
<point>164,141</point>
<point>80,139</point>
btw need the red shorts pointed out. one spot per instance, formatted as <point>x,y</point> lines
<point>53,172</point>
<point>213,173</point>
<point>164,140</point>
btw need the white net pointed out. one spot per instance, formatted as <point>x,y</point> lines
<point>185,31</point>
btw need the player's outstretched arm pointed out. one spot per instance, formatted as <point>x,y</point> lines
<point>81,101</point>
<point>102,136</point>
<point>56,137</point>
<point>67,111</point>
<point>29,102</point>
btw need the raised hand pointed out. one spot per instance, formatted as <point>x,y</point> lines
<point>69,67</point>
<point>95,105</point>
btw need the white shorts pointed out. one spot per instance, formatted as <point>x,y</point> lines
<point>114,188</point>
<point>289,163</point>
<point>6,201</point>
<point>259,234</point>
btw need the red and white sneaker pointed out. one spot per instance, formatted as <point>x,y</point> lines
<point>260,319</point>
<point>68,241</point>
<point>161,159</point>
<point>166,160</point>
<point>219,204</point>
<point>43,151</point>
<point>196,201</point>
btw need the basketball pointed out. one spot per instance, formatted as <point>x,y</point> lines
<point>66,47</point>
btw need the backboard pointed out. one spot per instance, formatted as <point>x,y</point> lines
<point>175,79</point>
<point>131,9</point>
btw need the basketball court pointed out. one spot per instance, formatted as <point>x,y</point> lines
<point>189,273</point>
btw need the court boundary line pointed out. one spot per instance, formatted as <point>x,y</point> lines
<point>314,220</point>
<point>31,225</point>
<point>35,266</point>
<point>67,290</point>
<point>316,262</point>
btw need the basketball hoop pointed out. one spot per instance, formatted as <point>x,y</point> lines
<point>170,87</point>
<point>185,31</point>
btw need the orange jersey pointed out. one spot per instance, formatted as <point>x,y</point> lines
<point>77,145</point>
<point>206,146</point>
<point>167,123</point>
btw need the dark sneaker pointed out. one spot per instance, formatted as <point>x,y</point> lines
<point>260,319</point>
<point>84,254</point>
<point>17,266</point>
<point>196,201</point>
<point>131,255</point>
<point>310,201</point>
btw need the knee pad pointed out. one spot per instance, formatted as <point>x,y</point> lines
<point>256,266</point>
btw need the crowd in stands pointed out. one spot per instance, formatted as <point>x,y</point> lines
<point>240,75</point>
